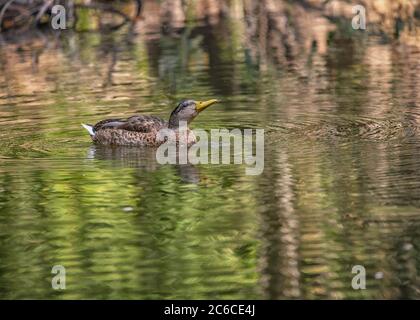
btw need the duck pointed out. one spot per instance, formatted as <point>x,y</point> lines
<point>146,130</point>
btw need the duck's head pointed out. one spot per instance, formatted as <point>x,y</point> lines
<point>187,110</point>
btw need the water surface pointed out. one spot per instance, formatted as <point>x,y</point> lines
<point>340,187</point>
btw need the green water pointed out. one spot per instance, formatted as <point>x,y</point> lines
<point>340,186</point>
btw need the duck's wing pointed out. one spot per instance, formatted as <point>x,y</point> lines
<point>139,123</point>
<point>143,123</point>
<point>108,124</point>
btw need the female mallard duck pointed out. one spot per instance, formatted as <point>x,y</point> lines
<point>144,130</point>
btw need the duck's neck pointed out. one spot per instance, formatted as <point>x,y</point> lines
<point>176,124</point>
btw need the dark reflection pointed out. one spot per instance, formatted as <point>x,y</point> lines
<point>141,158</point>
<point>188,173</point>
<point>407,264</point>
<point>279,257</point>
<point>144,158</point>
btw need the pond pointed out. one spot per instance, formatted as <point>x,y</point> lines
<point>340,186</point>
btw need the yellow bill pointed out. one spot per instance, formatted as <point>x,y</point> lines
<point>201,105</point>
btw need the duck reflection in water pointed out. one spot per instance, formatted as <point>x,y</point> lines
<point>143,158</point>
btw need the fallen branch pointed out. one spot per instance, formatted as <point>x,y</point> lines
<point>43,9</point>
<point>3,10</point>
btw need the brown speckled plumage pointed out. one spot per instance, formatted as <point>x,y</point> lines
<point>135,131</point>
<point>143,130</point>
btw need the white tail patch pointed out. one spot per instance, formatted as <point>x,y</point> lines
<point>89,129</point>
